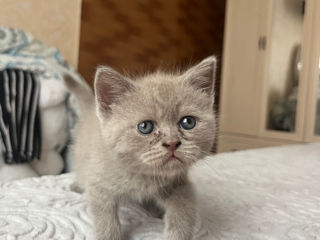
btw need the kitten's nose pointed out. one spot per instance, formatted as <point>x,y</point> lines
<point>171,145</point>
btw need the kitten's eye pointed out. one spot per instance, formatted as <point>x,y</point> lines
<point>145,127</point>
<point>188,122</point>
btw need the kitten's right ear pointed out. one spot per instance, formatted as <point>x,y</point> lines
<point>202,75</point>
<point>109,86</point>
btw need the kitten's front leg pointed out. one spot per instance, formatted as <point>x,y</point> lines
<point>104,211</point>
<point>180,214</point>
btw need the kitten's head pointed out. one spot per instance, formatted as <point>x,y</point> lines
<point>161,123</point>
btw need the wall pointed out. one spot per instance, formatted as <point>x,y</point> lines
<point>141,35</point>
<point>56,23</point>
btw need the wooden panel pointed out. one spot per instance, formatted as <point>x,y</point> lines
<point>142,35</point>
<point>56,23</point>
<point>239,106</point>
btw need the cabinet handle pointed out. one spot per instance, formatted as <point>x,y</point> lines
<point>262,43</point>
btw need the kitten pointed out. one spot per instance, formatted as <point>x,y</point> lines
<point>138,138</point>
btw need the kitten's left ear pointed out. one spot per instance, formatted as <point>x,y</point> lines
<point>202,76</point>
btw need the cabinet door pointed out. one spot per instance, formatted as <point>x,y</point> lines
<point>240,83</point>
<point>312,124</point>
<point>286,69</point>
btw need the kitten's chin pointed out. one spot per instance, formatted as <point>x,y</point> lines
<point>173,160</point>
<point>167,165</point>
<point>175,165</point>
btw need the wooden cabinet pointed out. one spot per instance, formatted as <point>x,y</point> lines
<point>270,77</point>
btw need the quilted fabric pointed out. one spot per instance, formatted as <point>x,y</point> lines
<point>264,194</point>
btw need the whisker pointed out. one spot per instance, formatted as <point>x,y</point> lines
<point>150,154</point>
<point>152,159</point>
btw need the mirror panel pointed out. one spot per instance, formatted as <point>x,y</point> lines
<point>284,64</point>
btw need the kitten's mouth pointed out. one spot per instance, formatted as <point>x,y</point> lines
<point>172,157</point>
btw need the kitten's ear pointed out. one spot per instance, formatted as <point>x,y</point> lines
<point>109,86</point>
<point>202,76</point>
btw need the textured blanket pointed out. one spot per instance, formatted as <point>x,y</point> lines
<point>271,193</point>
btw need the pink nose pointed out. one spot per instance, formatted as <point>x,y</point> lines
<point>171,145</point>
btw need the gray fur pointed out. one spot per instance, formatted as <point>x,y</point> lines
<point>115,163</point>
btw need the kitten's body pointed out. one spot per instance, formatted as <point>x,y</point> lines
<point>114,162</point>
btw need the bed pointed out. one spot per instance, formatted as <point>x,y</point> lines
<point>271,193</point>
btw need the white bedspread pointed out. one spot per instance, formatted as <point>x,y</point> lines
<point>271,193</point>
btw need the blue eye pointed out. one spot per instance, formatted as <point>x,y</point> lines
<point>145,127</point>
<point>188,122</point>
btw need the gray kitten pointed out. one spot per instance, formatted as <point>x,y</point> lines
<point>137,139</point>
